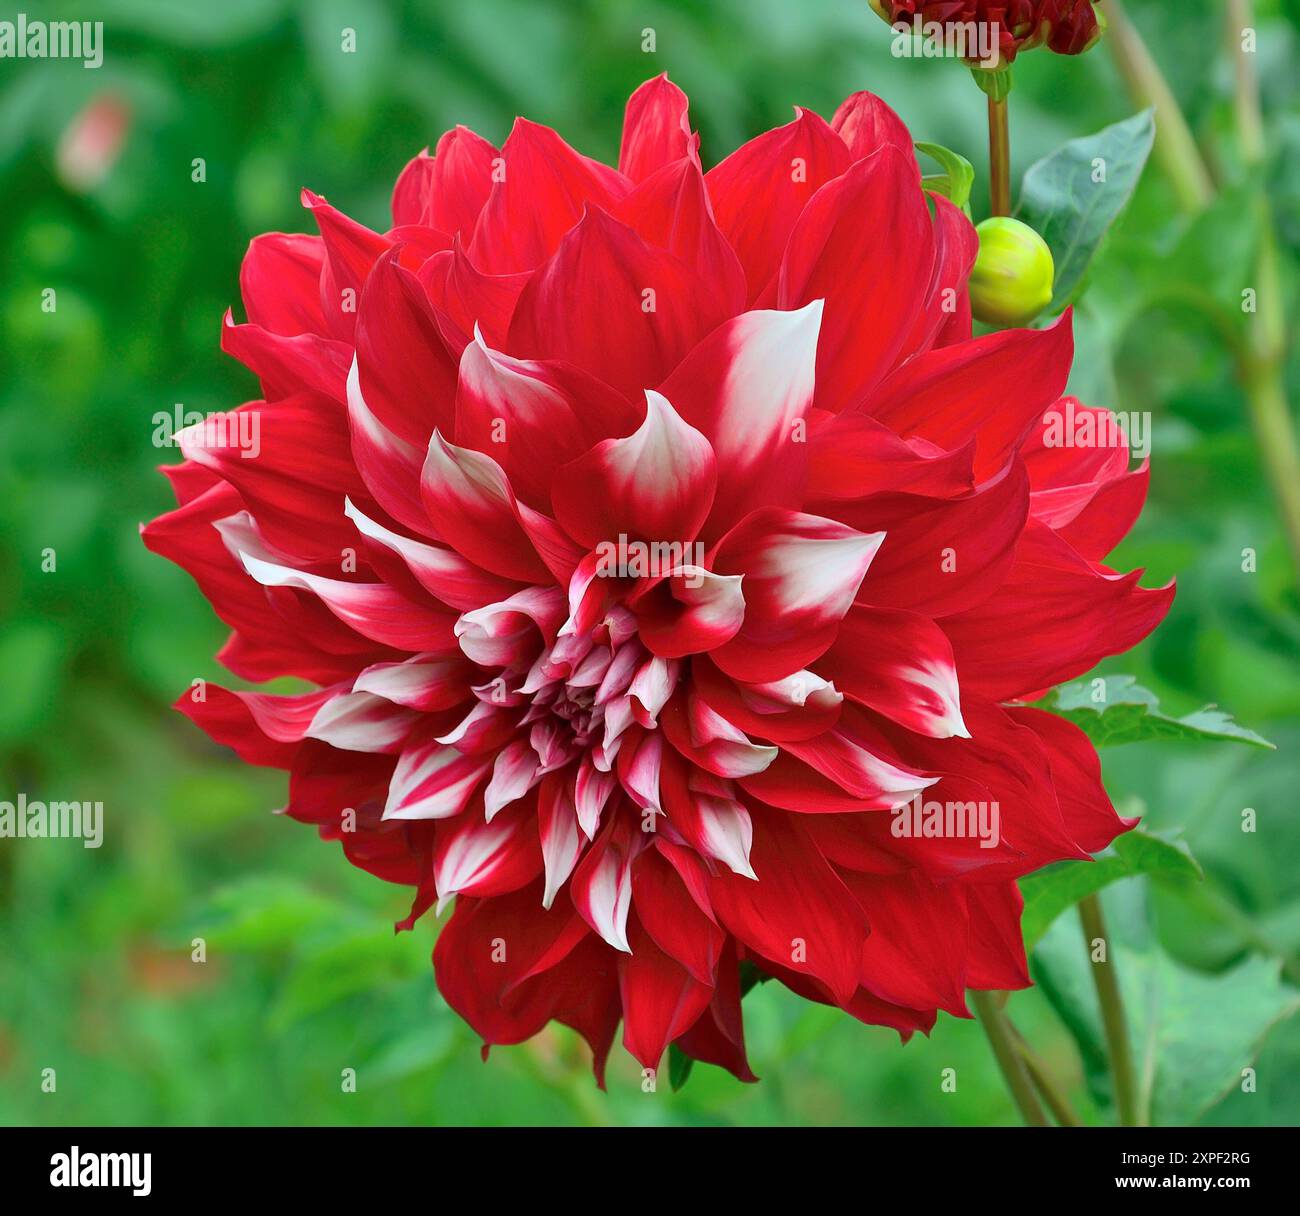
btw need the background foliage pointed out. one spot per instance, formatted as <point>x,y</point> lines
<point>305,976</point>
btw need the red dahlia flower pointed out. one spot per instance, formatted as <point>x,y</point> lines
<point>1068,27</point>
<point>653,536</point>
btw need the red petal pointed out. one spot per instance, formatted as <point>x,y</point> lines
<point>656,129</point>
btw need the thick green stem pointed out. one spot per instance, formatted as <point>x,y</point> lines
<point>1175,148</point>
<point>1106,979</point>
<point>1010,1061</point>
<point>999,157</point>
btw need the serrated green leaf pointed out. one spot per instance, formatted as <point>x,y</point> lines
<point>1050,892</point>
<point>1117,709</point>
<point>679,1067</point>
<point>1062,200</point>
<point>957,178</point>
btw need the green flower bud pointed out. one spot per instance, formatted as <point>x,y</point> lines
<point>1012,279</point>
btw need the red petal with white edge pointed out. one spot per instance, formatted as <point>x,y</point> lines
<point>661,999</point>
<point>671,209</point>
<point>279,282</point>
<point>655,485</point>
<point>801,573</point>
<point>942,555</point>
<point>844,755</point>
<point>852,455</point>
<point>557,824</point>
<point>614,306</point>
<point>258,449</point>
<point>746,388</point>
<point>460,182</point>
<point>262,729</point>
<point>433,781</point>
<point>362,722</point>
<point>760,189</point>
<point>601,886</point>
<point>799,913</point>
<point>440,571</point>
<point>899,664</point>
<point>407,375</point>
<point>704,810</point>
<point>656,129</point>
<point>481,859</point>
<point>541,192</point>
<point>866,123</point>
<point>508,407</point>
<point>591,790</point>
<point>426,682</point>
<point>870,313</point>
<point>514,772</point>
<point>1054,619</point>
<point>374,610</point>
<point>690,612</point>
<point>992,389</point>
<point>1088,812</point>
<point>703,736</point>
<point>472,506</point>
<point>639,762</point>
<point>511,633</point>
<point>672,918</point>
<point>388,465</point>
<point>798,707</point>
<point>469,299</point>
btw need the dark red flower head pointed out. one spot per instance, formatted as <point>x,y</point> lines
<point>664,550</point>
<point>1068,27</point>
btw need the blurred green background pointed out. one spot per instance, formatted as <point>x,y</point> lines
<point>304,977</point>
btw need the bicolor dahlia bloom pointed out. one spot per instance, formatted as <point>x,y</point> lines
<point>1068,27</point>
<point>651,536</point>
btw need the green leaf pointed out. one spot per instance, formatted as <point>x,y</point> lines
<point>1061,199</point>
<point>1050,892</point>
<point>679,1067</point>
<point>1117,709</point>
<point>955,182</point>
<point>1192,1033</point>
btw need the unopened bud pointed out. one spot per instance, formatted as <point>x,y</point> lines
<point>1012,279</point>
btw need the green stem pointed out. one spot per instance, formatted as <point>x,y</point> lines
<point>999,157</point>
<point>1106,979</point>
<point>1250,121</point>
<point>1175,148</point>
<point>1262,362</point>
<point>1010,1061</point>
<point>1045,1083</point>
